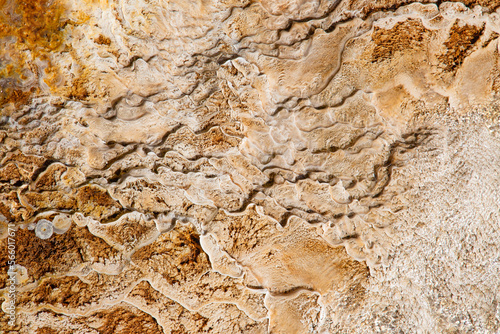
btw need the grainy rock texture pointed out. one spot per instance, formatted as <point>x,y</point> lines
<point>240,166</point>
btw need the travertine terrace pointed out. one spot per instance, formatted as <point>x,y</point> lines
<point>240,166</point>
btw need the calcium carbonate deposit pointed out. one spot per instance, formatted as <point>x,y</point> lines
<point>241,166</point>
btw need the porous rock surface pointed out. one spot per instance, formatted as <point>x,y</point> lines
<point>239,166</point>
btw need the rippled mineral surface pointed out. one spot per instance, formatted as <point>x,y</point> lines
<point>241,166</point>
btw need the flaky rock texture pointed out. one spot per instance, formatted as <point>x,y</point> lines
<point>240,166</point>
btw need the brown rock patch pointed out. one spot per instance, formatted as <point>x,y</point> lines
<point>50,200</point>
<point>404,36</point>
<point>55,255</point>
<point>103,40</point>
<point>95,201</point>
<point>177,255</point>
<point>49,178</point>
<point>11,208</point>
<point>490,4</point>
<point>125,320</point>
<point>459,45</point>
<point>10,173</point>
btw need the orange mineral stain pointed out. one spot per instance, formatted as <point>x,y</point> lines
<point>29,31</point>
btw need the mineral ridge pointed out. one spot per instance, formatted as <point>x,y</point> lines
<point>243,166</point>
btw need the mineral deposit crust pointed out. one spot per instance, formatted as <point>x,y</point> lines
<point>240,166</point>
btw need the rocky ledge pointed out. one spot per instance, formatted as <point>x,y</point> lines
<point>240,166</point>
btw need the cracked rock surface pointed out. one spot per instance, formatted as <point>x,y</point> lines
<point>240,166</point>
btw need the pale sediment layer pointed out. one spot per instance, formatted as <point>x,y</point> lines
<point>251,166</point>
